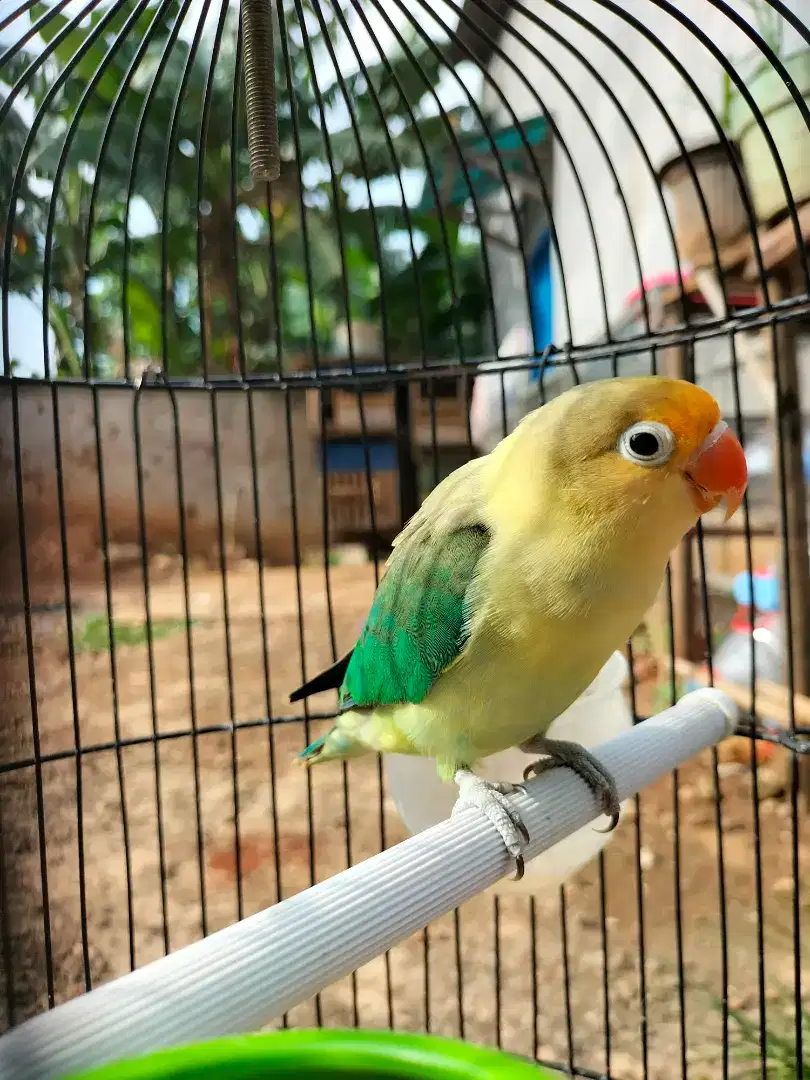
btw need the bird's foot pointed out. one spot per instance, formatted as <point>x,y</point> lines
<point>584,764</point>
<point>491,797</point>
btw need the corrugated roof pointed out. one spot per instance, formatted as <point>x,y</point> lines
<point>510,144</point>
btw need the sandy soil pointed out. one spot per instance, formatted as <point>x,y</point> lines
<point>281,857</point>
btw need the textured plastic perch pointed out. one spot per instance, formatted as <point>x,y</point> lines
<point>243,977</point>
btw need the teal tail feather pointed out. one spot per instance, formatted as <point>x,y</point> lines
<point>337,744</point>
<point>314,750</point>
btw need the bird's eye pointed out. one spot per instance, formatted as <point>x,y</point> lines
<point>647,443</point>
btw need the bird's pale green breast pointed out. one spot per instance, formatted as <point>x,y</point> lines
<point>537,639</point>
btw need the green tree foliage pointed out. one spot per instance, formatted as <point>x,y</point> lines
<point>153,244</point>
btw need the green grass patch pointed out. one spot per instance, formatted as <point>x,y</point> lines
<point>780,1041</point>
<point>93,635</point>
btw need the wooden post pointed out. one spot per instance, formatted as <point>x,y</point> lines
<point>794,513</point>
<point>406,468</point>
<point>686,630</point>
<point>686,623</point>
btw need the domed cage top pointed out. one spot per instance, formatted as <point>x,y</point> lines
<point>268,276</point>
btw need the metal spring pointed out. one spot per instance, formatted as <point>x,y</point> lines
<point>260,90</point>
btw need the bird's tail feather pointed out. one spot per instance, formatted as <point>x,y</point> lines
<point>314,750</point>
<point>335,744</point>
<point>330,679</point>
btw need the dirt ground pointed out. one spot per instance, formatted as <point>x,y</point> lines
<point>281,856</point>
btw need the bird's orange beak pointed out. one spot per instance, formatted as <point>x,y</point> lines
<point>717,471</point>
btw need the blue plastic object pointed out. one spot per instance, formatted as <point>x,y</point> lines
<point>766,591</point>
<point>540,282</point>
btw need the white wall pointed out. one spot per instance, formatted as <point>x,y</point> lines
<point>613,236</point>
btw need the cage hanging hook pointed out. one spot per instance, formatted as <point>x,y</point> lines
<point>260,89</point>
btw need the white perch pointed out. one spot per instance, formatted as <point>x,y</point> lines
<point>243,977</point>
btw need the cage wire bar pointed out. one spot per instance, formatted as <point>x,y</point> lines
<point>188,350</point>
<point>239,979</point>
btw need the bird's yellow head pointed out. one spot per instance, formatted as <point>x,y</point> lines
<point>638,445</point>
<point>683,434</point>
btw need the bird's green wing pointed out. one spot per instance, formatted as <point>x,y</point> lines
<point>418,623</point>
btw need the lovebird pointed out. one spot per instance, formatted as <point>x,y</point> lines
<point>519,576</point>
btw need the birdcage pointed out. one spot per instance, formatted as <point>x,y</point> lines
<point>268,276</point>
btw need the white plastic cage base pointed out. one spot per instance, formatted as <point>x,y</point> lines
<point>241,978</point>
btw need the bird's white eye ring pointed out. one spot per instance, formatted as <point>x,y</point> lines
<point>647,443</point>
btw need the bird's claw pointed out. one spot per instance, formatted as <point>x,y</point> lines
<point>492,798</point>
<point>588,768</point>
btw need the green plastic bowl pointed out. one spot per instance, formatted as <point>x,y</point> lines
<point>325,1055</point>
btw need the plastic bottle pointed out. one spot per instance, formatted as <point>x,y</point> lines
<point>732,660</point>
